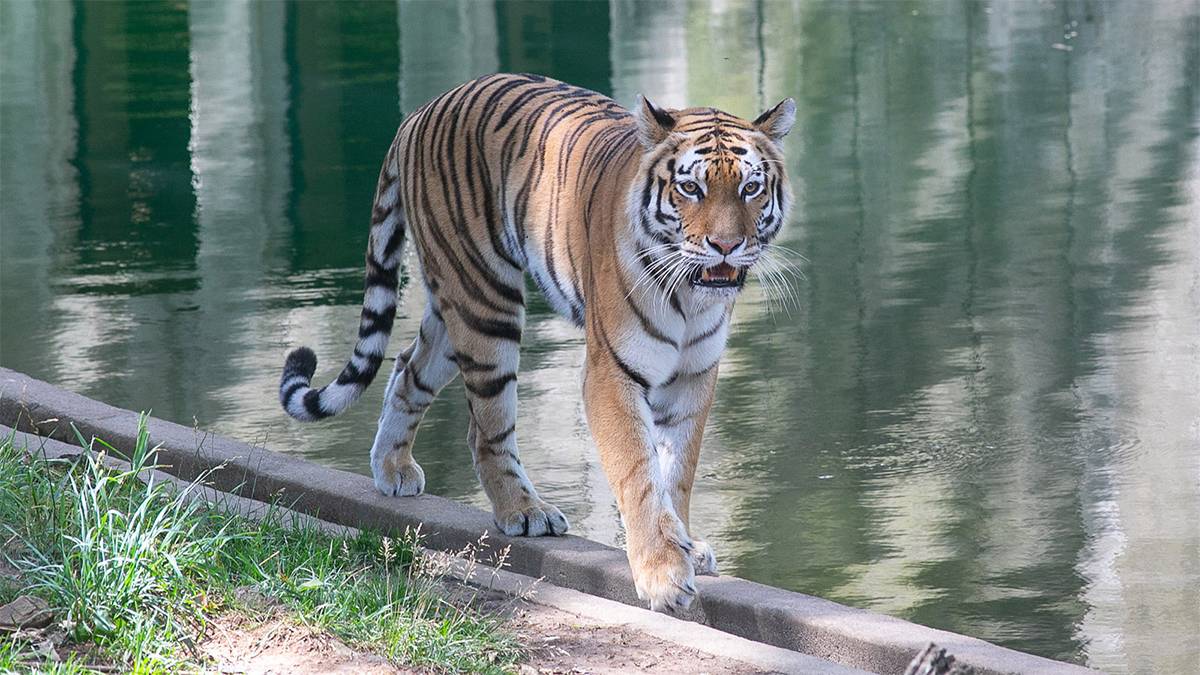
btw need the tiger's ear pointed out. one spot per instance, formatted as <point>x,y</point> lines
<point>777,121</point>
<point>654,123</point>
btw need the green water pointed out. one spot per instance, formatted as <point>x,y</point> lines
<point>982,413</point>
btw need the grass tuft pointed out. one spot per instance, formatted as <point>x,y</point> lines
<point>135,568</point>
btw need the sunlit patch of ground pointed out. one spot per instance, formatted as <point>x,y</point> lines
<point>237,643</point>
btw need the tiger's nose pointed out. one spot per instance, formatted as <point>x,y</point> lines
<point>724,246</point>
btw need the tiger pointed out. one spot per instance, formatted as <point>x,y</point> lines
<point>639,227</point>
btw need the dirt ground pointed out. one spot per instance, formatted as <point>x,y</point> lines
<point>238,644</point>
<point>556,642</point>
<point>560,642</point>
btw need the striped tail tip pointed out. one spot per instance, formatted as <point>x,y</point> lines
<point>295,391</point>
<point>301,362</point>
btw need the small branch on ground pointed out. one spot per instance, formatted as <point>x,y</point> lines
<point>933,660</point>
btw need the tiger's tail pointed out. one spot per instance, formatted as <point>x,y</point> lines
<point>380,296</point>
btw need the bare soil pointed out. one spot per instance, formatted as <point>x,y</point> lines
<point>239,644</point>
<point>561,642</point>
<point>558,642</point>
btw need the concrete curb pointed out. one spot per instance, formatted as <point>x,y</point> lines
<point>809,625</point>
<point>537,591</point>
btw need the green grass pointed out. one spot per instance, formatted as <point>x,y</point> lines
<point>136,570</point>
<point>13,659</point>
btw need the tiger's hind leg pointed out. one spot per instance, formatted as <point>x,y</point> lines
<point>421,372</point>
<point>487,352</point>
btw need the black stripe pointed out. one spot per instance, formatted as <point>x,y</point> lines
<point>703,371</point>
<point>477,170</point>
<point>395,240</point>
<point>671,420</point>
<point>351,374</point>
<point>496,451</point>
<point>504,330</point>
<point>647,229</point>
<point>405,356</point>
<point>551,265</point>
<point>660,215</point>
<point>378,275</point>
<point>706,334</point>
<point>493,387</point>
<point>312,403</point>
<point>372,322</point>
<point>373,360</point>
<point>286,394</point>
<point>524,98</point>
<point>416,380</point>
<point>628,370</point>
<point>676,306</point>
<point>466,363</point>
<point>500,437</point>
<point>647,327</point>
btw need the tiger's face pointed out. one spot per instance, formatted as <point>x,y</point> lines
<point>714,193</point>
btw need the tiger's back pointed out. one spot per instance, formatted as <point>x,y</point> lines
<point>523,166</point>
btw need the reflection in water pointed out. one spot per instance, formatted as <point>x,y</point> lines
<point>980,414</point>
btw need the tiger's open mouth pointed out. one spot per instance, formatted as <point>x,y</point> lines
<point>719,276</point>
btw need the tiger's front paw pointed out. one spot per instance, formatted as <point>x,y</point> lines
<point>704,561</point>
<point>399,480</point>
<point>666,578</point>
<point>534,520</point>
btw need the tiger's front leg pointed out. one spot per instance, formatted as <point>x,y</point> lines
<point>658,545</point>
<point>680,408</point>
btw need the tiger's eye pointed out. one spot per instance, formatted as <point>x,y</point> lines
<point>751,188</point>
<point>689,187</point>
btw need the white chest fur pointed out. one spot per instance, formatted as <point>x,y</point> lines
<point>678,346</point>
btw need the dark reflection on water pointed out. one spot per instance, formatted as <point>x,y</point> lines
<point>980,413</point>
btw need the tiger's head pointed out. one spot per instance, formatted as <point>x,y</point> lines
<point>711,194</point>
